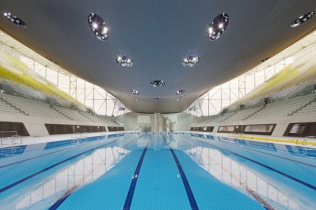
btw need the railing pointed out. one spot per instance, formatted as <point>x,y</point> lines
<point>137,128</point>
<point>236,135</point>
<point>79,137</point>
<point>8,136</point>
<point>308,139</point>
<point>232,134</point>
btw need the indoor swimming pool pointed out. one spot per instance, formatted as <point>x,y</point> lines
<point>158,171</point>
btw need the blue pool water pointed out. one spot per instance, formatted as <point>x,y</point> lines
<point>158,171</point>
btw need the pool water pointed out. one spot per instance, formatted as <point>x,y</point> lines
<point>158,171</point>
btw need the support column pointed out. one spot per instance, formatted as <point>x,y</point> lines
<point>157,123</point>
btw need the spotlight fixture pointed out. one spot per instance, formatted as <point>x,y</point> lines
<point>157,97</point>
<point>14,19</point>
<point>98,27</point>
<point>180,92</point>
<point>191,61</point>
<point>264,60</point>
<point>124,61</point>
<point>51,60</point>
<point>302,19</point>
<point>134,92</point>
<point>157,83</point>
<point>218,26</point>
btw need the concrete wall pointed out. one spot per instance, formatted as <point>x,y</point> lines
<point>183,121</point>
<point>36,125</point>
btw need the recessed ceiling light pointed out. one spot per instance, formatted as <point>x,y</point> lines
<point>179,92</point>
<point>190,61</point>
<point>178,99</point>
<point>264,60</point>
<point>124,61</point>
<point>14,19</point>
<point>134,92</point>
<point>302,19</point>
<point>51,60</point>
<point>218,26</point>
<point>157,97</point>
<point>98,27</point>
<point>157,83</point>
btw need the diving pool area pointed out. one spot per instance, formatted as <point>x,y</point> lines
<point>184,170</point>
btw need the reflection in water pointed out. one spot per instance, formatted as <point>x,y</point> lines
<point>75,175</point>
<point>226,159</point>
<point>11,151</point>
<point>243,176</point>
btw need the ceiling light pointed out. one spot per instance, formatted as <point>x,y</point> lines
<point>51,60</point>
<point>105,30</point>
<point>157,97</point>
<point>218,26</point>
<point>302,19</point>
<point>264,60</point>
<point>178,99</point>
<point>191,61</point>
<point>180,92</point>
<point>134,92</point>
<point>14,19</point>
<point>157,83</point>
<point>124,61</point>
<point>98,27</point>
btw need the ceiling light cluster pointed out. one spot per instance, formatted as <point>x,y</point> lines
<point>98,26</point>
<point>157,83</point>
<point>51,60</point>
<point>264,60</point>
<point>14,19</point>
<point>191,61</point>
<point>302,19</point>
<point>134,92</point>
<point>180,92</point>
<point>218,26</point>
<point>124,61</point>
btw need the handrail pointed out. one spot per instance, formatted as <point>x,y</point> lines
<point>232,134</point>
<point>304,142</point>
<point>137,128</point>
<point>13,135</point>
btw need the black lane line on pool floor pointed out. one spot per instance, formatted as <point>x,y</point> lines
<point>46,169</point>
<point>184,179</point>
<point>265,166</point>
<point>254,194</point>
<point>71,190</point>
<point>132,187</point>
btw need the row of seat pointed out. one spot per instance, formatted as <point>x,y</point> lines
<point>282,108</point>
<point>309,109</point>
<point>33,108</point>
<point>297,73</point>
<point>7,109</point>
<point>295,106</point>
<point>20,106</point>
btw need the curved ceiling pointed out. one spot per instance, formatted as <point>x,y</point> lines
<point>157,36</point>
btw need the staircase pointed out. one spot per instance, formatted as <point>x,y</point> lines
<point>60,112</point>
<point>102,119</point>
<point>86,117</point>
<point>302,107</point>
<point>264,106</point>
<point>228,117</point>
<point>18,109</point>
